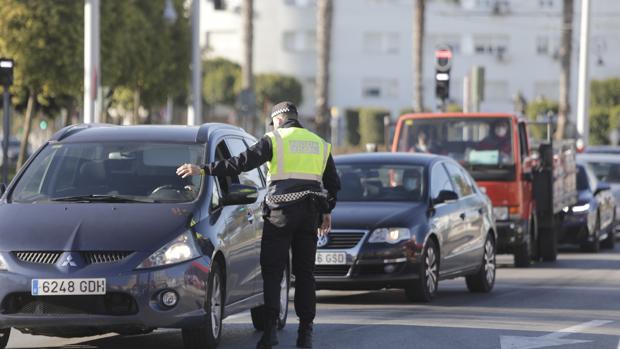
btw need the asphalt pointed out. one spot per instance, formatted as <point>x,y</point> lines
<point>572,303</point>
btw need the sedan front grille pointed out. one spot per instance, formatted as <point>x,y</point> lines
<point>343,240</point>
<point>97,257</point>
<point>38,257</point>
<point>331,270</point>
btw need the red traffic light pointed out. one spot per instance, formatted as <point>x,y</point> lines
<point>444,53</point>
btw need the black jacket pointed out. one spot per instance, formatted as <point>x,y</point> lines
<point>262,152</point>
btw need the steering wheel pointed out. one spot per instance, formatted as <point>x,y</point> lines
<point>163,187</point>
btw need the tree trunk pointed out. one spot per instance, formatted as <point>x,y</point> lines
<point>419,14</point>
<point>248,121</point>
<point>323,37</point>
<point>566,49</point>
<point>136,107</point>
<point>32,100</point>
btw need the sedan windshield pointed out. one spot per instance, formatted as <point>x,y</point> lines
<point>110,172</point>
<point>377,182</point>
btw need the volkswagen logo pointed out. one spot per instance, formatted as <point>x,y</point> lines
<point>68,262</point>
<point>322,241</point>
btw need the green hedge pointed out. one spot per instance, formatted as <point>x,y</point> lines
<point>372,129</point>
<point>352,130</point>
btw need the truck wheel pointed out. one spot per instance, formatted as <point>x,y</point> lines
<point>523,255</point>
<point>207,336</point>
<point>424,288</point>
<point>548,245</point>
<point>484,280</point>
<point>258,313</point>
<point>4,337</point>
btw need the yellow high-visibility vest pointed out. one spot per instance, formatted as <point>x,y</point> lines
<point>297,154</point>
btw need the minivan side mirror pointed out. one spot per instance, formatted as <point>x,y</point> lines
<point>445,196</point>
<point>2,188</point>
<point>240,194</point>
<point>601,186</point>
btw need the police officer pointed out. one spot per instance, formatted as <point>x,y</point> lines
<point>302,193</point>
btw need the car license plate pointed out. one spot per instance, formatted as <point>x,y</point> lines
<point>330,258</point>
<point>68,287</point>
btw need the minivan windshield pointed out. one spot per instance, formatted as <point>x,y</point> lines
<point>483,145</point>
<point>380,182</point>
<point>110,172</point>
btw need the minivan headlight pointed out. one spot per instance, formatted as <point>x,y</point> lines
<point>181,249</point>
<point>2,263</point>
<point>389,235</point>
<point>581,208</point>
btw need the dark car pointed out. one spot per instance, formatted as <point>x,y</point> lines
<point>98,234</point>
<point>590,222</point>
<point>606,168</point>
<point>407,221</point>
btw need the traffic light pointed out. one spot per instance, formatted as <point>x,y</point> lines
<point>443,63</point>
<point>6,72</point>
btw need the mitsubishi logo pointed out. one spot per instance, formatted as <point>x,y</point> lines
<point>68,262</point>
<point>322,241</point>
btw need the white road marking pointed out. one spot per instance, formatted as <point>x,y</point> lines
<point>552,339</point>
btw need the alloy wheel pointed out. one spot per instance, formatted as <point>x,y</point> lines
<point>431,270</point>
<point>489,262</point>
<point>216,306</point>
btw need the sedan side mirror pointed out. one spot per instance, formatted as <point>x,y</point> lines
<point>445,196</point>
<point>240,194</point>
<point>602,186</point>
<point>2,188</point>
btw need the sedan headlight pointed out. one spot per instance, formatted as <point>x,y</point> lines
<point>500,213</point>
<point>581,208</point>
<point>181,249</point>
<point>2,263</point>
<point>389,235</point>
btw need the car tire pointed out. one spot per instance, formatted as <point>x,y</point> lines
<point>484,280</point>
<point>424,288</point>
<point>208,335</point>
<point>595,245</point>
<point>258,313</point>
<point>548,245</point>
<point>5,333</point>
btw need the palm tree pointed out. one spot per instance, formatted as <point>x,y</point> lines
<point>247,69</point>
<point>419,14</point>
<point>323,37</point>
<point>565,62</point>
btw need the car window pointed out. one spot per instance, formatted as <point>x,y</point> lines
<point>143,171</point>
<point>263,168</point>
<point>252,177</point>
<point>439,180</point>
<point>216,197</point>
<point>458,180</point>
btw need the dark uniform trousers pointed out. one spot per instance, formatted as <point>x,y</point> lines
<point>295,227</point>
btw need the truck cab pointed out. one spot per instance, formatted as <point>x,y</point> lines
<point>495,148</point>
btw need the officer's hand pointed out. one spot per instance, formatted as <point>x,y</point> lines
<point>326,226</point>
<point>187,170</point>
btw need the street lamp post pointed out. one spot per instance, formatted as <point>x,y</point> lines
<point>6,79</point>
<point>194,113</point>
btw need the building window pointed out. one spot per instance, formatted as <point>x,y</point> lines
<point>379,88</point>
<point>300,3</point>
<point>542,45</point>
<point>545,4</point>
<point>491,45</point>
<point>381,43</point>
<point>299,41</point>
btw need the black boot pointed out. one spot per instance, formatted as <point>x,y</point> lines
<point>304,335</point>
<point>270,335</point>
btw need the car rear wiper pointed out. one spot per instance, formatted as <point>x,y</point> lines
<point>101,198</point>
